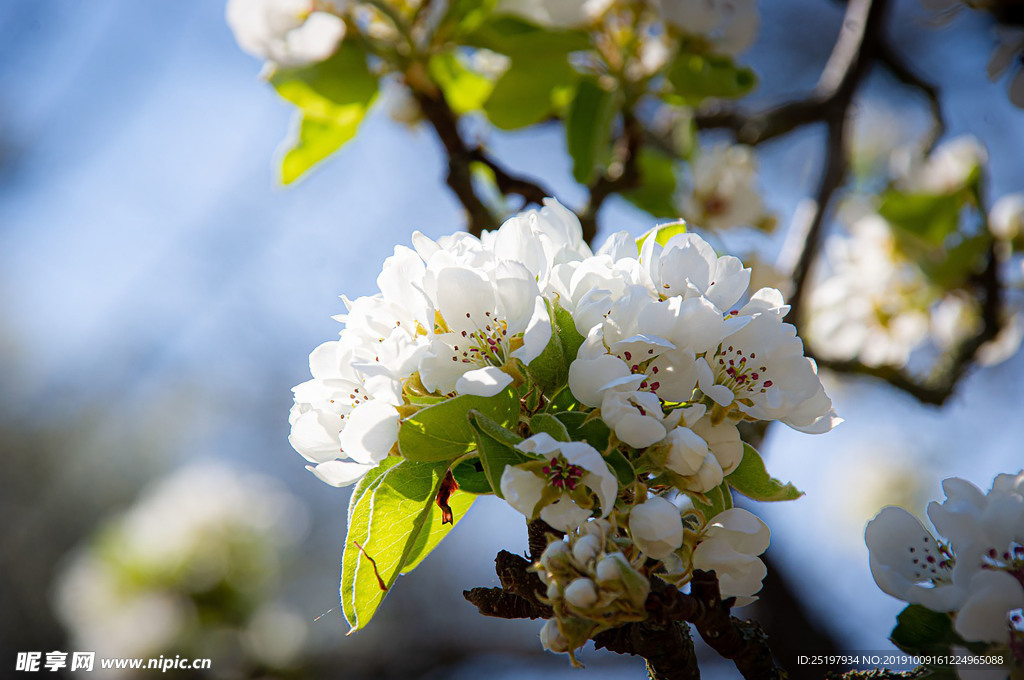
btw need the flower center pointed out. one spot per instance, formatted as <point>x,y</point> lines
<point>740,372</point>
<point>933,564</point>
<point>1011,561</point>
<point>488,345</point>
<point>643,364</point>
<point>561,474</point>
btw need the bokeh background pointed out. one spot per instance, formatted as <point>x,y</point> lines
<point>160,292</point>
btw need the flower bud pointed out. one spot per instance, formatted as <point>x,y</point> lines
<point>587,548</point>
<point>656,527</point>
<point>610,568</point>
<point>555,555</point>
<point>686,451</point>
<point>554,590</point>
<point>598,527</point>
<point>581,593</point>
<point>552,639</point>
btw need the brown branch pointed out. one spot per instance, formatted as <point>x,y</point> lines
<point>893,61</point>
<point>461,156</point>
<point>939,387</point>
<point>856,47</point>
<point>666,647</point>
<point>658,638</point>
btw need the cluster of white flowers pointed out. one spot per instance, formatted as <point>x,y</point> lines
<point>973,567</point>
<point>287,32</point>
<point>873,304</point>
<point>946,170</point>
<point>725,192</point>
<point>453,316</point>
<point>673,354</point>
<point>151,580</point>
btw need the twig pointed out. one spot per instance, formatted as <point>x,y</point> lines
<point>842,75</point>
<point>667,648</point>
<point>894,62</point>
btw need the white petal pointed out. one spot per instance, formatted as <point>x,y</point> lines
<point>984,616</point>
<point>656,527</point>
<point>588,376</point>
<point>340,472</point>
<point>541,444</point>
<point>522,489</point>
<point>370,432</point>
<point>483,382</point>
<point>564,515</point>
<point>537,333</point>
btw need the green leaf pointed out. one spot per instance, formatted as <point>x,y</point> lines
<point>928,217</point>
<point>563,401</point>
<point>464,89</point>
<point>538,71</point>
<point>545,422</point>
<point>550,370</point>
<point>334,96</point>
<point>495,445</point>
<point>719,500</point>
<point>662,233</point>
<point>594,432</point>
<point>393,516</point>
<point>317,139</point>
<point>621,466</point>
<point>698,76</point>
<point>434,529</point>
<point>752,480</point>
<point>655,192</point>
<point>441,432</point>
<point>471,477</point>
<point>588,128</point>
<point>919,630</point>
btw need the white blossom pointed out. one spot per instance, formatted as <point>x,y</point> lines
<point>974,571</point>
<point>286,32</point>
<point>946,170</point>
<point>725,192</point>
<point>873,303</point>
<point>555,13</point>
<point>730,546</point>
<point>549,490</point>
<point>656,527</point>
<point>581,593</point>
<point>1006,218</point>
<point>731,26</point>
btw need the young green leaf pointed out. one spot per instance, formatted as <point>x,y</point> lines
<point>441,432</point>
<point>545,422</point>
<point>495,446</point>
<point>588,128</point>
<point>929,217</point>
<point>550,370</point>
<point>464,90</point>
<point>751,479</point>
<point>471,477</point>
<point>655,192</point>
<point>393,522</point>
<point>594,432</point>
<point>333,96</point>
<point>698,76</point>
<point>662,233</point>
<point>719,500</point>
<point>920,630</point>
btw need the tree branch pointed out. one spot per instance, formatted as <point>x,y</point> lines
<point>895,64</point>
<point>460,159</point>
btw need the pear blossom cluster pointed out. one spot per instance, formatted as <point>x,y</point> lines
<point>971,566</point>
<point>625,450</point>
<point>725,194</point>
<point>142,585</point>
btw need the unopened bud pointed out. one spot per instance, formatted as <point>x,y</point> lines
<point>610,568</point>
<point>552,639</point>
<point>555,555</point>
<point>554,591</point>
<point>581,593</point>
<point>597,527</point>
<point>587,548</point>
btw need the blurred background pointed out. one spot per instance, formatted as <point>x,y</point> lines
<point>160,293</point>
